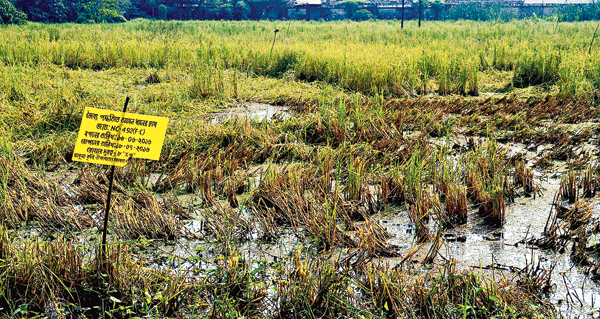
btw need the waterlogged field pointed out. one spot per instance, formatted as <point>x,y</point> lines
<point>341,170</point>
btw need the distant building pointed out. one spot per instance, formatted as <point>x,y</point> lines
<point>526,2</point>
<point>307,10</point>
<point>392,9</point>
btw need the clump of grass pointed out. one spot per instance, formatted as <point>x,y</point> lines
<point>294,196</point>
<point>208,81</point>
<point>60,277</point>
<point>577,215</point>
<point>356,188</point>
<point>135,174</point>
<point>236,289</point>
<point>568,185</point>
<point>456,205</point>
<point>212,174</point>
<point>152,78</point>
<point>419,215</point>
<point>313,287</point>
<point>16,203</point>
<point>392,187</point>
<point>488,182</point>
<point>230,191</point>
<point>138,213</point>
<point>524,177</point>
<point>535,69</point>
<point>493,207</point>
<point>400,293</point>
<point>575,226</point>
<point>417,190</point>
<point>589,183</point>
<point>278,190</point>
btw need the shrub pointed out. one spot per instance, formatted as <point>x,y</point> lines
<point>362,15</point>
<point>351,6</point>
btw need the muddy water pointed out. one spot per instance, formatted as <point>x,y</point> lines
<point>473,246</point>
<point>476,245</point>
<point>251,111</point>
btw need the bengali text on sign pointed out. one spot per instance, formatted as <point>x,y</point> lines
<point>112,137</point>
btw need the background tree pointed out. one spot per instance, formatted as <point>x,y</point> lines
<point>43,10</point>
<point>436,8</point>
<point>152,4</point>
<point>241,11</point>
<point>162,12</point>
<point>183,9</point>
<point>210,9</point>
<point>10,15</point>
<point>90,11</point>
<point>226,12</point>
<point>136,9</point>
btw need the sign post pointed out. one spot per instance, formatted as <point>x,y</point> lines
<point>112,138</point>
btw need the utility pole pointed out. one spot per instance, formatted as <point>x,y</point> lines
<point>420,11</point>
<point>402,23</point>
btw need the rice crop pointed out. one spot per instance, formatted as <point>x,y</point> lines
<point>349,201</point>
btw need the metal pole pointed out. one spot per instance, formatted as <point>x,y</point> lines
<point>108,198</point>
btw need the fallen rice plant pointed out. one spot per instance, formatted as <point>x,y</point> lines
<point>372,238</point>
<point>69,218</point>
<point>25,195</point>
<point>418,213</point>
<point>131,221</point>
<point>228,226</point>
<point>568,224</point>
<point>92,189</point>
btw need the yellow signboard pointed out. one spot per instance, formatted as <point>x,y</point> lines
<point>112,137</point>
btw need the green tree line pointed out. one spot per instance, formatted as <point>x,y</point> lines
<point>94,11</point>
